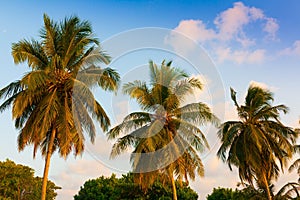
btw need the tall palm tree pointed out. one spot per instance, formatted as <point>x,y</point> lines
<point>165,134</point>
<point>259,145</point>
<point>53,105</point>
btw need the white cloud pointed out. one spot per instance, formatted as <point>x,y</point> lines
<point>256,13</point>
<point>256,56</point>
<point>227,109</point>
<point>244,41</point>
<point>240,56</point>
<point>196,30</point>
<point>183,43</point>
<point>101,147</point>
<point>294,50</point>
<point>231,23</point>
<point>271,28</point>
<point>227,32</point>
<point>217,174</point>
<point>232,20</point>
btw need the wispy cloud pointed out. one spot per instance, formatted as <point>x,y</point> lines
<point>241,56</point>
<point>271,28</point>
<point>294,50</point>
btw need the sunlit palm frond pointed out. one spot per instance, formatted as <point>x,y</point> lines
<point>50,35</point>
<point>122,144</point>
<point>198,113</point>
<point>30,52</point>
<point>131,122</point>
<point>192,134</point>
<point>94,56</point>
<point>138,90</point>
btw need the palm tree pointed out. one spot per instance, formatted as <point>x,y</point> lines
<point>296,163</point>
<point>165,134</point>
<point>259,145</point>
<point>52,104</point>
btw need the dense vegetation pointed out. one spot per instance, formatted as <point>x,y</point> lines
<point>113,188</point>
<point>250,193</point>
<point>17,182</point>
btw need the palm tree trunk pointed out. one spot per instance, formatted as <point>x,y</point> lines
<point>173,187</point>
<point>267,187</point>
<point>47,164</point>
<point>19,193</point>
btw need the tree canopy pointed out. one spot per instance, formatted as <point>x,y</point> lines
<point>287,192</point>
<point>113,188</point>
<point>17,182</point>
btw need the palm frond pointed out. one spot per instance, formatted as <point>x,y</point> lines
<point>50,35</point>
<point>131,122</point>
<point>11,89</point>
<point>139,91</point>
<point>30,52</point>
<point>121,145</point>
<point>198,113</point>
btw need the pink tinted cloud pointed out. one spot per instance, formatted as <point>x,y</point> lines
<point>196,30</point>
<point>240,56</point>
<point>232,20</point>
<point>229,27</point>
<point>271,27</point>
<point>294,50</point>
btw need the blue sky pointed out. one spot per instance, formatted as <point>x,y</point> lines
<point>248,41</point>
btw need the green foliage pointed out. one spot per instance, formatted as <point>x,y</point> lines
<point>113,188</point>
<point>18,182</point>
<point>247,193</point>
<point>222,194</point>
<point>250,193</point>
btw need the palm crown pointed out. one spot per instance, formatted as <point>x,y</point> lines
<point>165,135</point>
<point>259,144</point>
<point>53,104</point>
